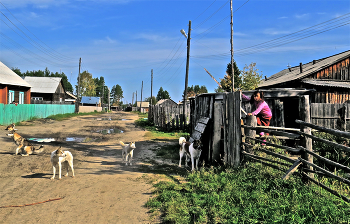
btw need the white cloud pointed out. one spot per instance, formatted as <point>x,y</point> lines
<point>302,16</point>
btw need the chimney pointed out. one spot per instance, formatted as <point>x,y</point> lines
<point>265,78</point>
<point>290,69</point>
<point>314,62</point>
<point>301,67</point>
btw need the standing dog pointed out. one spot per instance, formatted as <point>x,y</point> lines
<point>57,158</point>
<point>182,151</point>
<point>194,150</point>
<point>127,152</point>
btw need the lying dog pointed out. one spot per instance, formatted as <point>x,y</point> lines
<point>194,150</point>
<point>19,140</point>
<point>27,148</point>
<point>127,152</point>
<point>57,158</point>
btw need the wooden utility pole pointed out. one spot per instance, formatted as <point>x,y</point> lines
<point>187,68</point>
<point>78,92</point>
<point>132,101</point>
<point>232,68</point>
<point>109,99</point>
<point>151,84</point>
<point>136,100</point>
<point>141,95</point>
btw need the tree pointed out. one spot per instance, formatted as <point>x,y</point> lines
<point>101,89</point>
<point>154,100</point>
<point>226,82</point>
<point>117,94</point>
<point>250,77</point>
<point>162,94</point>
<point>87,85</point>
<point>193,91</point>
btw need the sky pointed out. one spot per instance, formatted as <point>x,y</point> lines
<point>125,40</point>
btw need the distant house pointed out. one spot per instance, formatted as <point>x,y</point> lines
<point>46,89</point>
<point>13,87</point>
<point>143,105</point>
<point>90,101</point>
<point>330,77</point>
<point>166,103</point>
<point>70,97</point>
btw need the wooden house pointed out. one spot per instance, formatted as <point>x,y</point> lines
<point>329,77</point>
<point>46,90</point>
<point>166,103</point>
<point>13,87</point>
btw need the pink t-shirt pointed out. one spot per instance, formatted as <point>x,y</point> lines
<point>261,107</point>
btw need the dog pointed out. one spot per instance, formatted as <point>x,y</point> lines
<point>57,158</point>
<point>19,140</point>
<point>182,151</point>
<point>27,148</point>
<point>127,152</point>
<point>194,150</point>
<point>11,127</point>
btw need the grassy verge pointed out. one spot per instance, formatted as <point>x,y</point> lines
<point>60,117</point>
<point>251,194</point>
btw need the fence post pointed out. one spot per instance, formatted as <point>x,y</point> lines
<point>237,134</point>
<point>345,118</point>
<point>251,121</point>
<point>304,110</point>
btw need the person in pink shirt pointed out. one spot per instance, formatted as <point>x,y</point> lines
<point>263,112</point>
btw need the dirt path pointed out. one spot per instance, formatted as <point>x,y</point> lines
<point>104,189</point>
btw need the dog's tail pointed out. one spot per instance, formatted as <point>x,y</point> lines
<point>122,143</point>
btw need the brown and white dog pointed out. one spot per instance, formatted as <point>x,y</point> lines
<point>19,140</point>
<point>11,127</point>
<point>27,148</point>
<point>194,150</point>
<point>57,158</point>
<point>182,151</point>
<point>127,152</point>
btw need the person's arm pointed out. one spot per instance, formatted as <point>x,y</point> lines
<point>245,97</point>
<point>260,107</point>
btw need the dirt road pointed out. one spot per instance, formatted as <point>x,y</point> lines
<point>104,190</point>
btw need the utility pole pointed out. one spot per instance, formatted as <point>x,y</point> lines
<point>132,101</point>
<point>109,99</point>
<point>187,67</point>
<point>232,68</point>
<point>136,100</point>
<point>151,84</point>
<point>78,92</point>
<point>141,95</point>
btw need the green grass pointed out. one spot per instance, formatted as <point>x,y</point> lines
<point>252,194</point>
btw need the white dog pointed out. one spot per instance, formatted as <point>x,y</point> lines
<point>182,151</point>
<point>127,152</point>
<point>194,150</point>
<point>57,158</point>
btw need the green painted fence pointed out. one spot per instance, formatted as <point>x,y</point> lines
<point>10,113</point>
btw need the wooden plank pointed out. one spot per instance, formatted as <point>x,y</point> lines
<point>200,127</point>
<point>330,131</point>
<point>292,169</point>
<point>325,187</point>
<point>272,132</point>
<point>217,123</point>
<point>325,171</point>
<point>265,159</point>
<point>340,146</point>
<point>237,135</point>
<point>271,153</point>
<point>274,145</point>
<point>203,120</point>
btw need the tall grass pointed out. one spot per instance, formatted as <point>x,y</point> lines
<point>252,194</point>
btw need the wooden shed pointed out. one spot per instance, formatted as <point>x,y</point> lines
<point>330,77</point>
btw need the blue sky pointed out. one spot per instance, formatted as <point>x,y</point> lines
<point>123,40</point>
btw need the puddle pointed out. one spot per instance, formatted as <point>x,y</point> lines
<point>103,119</point>
<point>109,131</point>
<point>67,139</point>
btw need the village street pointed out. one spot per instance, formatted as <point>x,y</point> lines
<point>104,190</point>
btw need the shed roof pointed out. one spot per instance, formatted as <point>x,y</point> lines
<point>293,73</point>
<point>9,77</point>
<point>43,84</point>
<point>332,83</point>
<point>90,100</point>
<point>143,104</point>
<point>71,95</point>
<point>164,100</point>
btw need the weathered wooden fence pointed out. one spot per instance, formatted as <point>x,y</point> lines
<point>10,113</point>
<point>303,148</point>
<point>169,118</point>
<point>334,116</point>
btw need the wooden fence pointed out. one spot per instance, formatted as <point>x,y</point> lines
<point>334,116</point>
<point>169,118</point>
<point>303,149</point>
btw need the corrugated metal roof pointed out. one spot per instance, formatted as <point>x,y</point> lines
<point>9,77</point>
<point>43,84</point>
<point>293,73</point>
<point>90,99</point>
<point>318,82</point>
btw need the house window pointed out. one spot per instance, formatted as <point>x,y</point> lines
<point>11,96</point>
<point>37,98</point>
<point>21,98</point>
